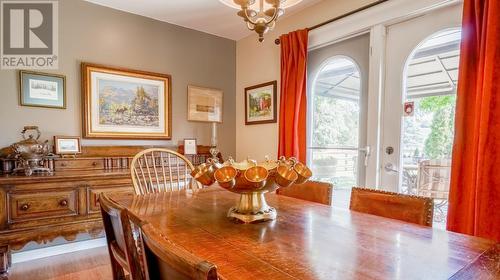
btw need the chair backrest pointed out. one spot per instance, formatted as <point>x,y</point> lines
<point>320,192</point>
<point>160,170</point>
<point>433,178</point>
<point>408,208</point>
<point>121,244</point>
<point>165,260</point>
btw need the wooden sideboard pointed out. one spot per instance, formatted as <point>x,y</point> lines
<point>42,207</point>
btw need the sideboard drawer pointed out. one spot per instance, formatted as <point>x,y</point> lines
<point>80,164</point>
<point>42,204</point>
<point>93,195</point>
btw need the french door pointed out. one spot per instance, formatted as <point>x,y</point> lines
<point>419,101</point>
<point>337,94</point>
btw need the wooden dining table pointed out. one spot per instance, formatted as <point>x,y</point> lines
<point>310,241</point>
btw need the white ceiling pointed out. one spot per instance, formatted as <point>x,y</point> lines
<point>210,16</point>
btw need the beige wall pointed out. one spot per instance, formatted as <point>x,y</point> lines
<point>97,34</point>
<point>260,62</point>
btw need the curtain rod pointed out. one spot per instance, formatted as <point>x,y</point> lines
<point>278,41</point>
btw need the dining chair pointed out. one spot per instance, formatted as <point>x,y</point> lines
<point>160,170</point>
<point>315,191</point>
<point>121,244</point>
<point>165,260</point>
<point>408,208</point>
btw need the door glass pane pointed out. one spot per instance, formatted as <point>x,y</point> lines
<point>339,167</point>
<point>335,122</point>
<point>431,82</point>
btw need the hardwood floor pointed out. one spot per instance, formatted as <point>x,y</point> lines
<point>82,265</point>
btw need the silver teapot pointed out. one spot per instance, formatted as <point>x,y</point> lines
<point>30,153</point>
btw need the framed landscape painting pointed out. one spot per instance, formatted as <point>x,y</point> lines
<point>67,145</point>
<point>125,104</point>
<point>204,104</point>
<point>42,90</point>
<point>260,103</point>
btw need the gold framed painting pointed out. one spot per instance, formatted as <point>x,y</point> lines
<point>204,104</point>
<point>122,103</point>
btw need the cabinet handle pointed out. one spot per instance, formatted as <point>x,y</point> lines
<point>94,163</point>
<point>63,203</point>
<point>63,164</point>
<point>25,207</point>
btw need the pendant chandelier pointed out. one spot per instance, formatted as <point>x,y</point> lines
<point>260,15</point>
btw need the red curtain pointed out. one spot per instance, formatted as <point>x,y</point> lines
<point>292,124</point>
<point>474,204</point>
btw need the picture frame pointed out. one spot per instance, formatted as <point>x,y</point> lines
<point>205,104</point>
<point>45,90</point>
<point>67,145</point>
<point>261,103</point>
<point>120,103</point>
<point>190,146</point>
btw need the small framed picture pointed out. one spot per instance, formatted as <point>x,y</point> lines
<point>67,145</point>
<point>204,104</point>
<point>42,90</point>
<point>190,147</point>
<point>260,103</point>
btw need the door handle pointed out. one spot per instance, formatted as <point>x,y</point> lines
<point>389,167</point>
<point>367,152</point>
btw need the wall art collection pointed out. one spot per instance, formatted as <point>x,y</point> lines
<point>121,103</point>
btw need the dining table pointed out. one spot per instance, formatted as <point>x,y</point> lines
<point>309,240</point>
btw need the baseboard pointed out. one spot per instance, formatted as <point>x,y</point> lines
<point>57,250</point>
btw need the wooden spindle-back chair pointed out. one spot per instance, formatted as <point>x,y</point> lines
<point>165,260</point>
<point>160,170</point>
<point>320,192</point>
<point>121,244</point>
<point>408,208</point>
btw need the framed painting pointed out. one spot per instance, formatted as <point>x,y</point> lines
<point>42,90</point>
<point>261,103</point>
<point>125,104</point>
<point>67,145</point>
<point>204,104</point>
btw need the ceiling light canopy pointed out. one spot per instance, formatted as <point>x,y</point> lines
<point>260,15</point>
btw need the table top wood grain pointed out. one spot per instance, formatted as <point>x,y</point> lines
<point>311,241</point>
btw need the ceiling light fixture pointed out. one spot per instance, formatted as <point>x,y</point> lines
<point>260,15</point>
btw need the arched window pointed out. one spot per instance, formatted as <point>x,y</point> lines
<point>430,85</point>
<point>335,121</point>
